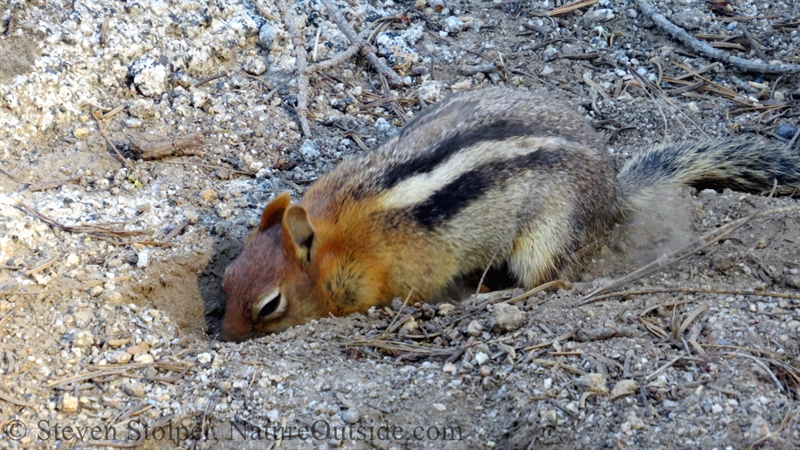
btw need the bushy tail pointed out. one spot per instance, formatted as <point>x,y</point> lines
<point>748,165</point>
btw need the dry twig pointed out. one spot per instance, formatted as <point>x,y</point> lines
<point>89,229</point>
<point>571,6</point>
<point>13,178</point>
<point>366,50</point>
<point>205,80</point>
<point>162,148</point>
<point>98,117</point>
<point>701,47</point>
<point>302,61</point>
<point>690,290</point>
<point>790,417</point>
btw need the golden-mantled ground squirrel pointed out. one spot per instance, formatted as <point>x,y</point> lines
<point>502,173</point>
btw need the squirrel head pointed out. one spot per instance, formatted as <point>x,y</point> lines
<point>273,285</point>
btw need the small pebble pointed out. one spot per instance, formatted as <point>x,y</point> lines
<point>453,24</point>
<point>409,326</point>
<point>136,349</point>
<point>624,388</point>
<point>474,328</point>
<point>134,388</point>
<point>786,131</point>
<point>69,403</point>
<point>116,343</point>
<point>143,259</point>
<point>204,358</point>
<point>508,317</point>
<point>598,15</point>
<point>209,195</point>
<point>119,357</point>
<point>351,416</point>
<point>446,309</point>
<point>144,358</point>
<point>439,407</point>
<point>83,339</point>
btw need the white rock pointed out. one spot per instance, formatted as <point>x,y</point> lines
<point>69,403</point>
<point>83,339</point>
<point>118,357</point>
<point>199,98</point>
<point>446,309</point>
<point>474,328</point>
<point>144,358</point>
<point>72,259</point>
<point>598,15</point>
<point>254,65</point>
<point>309,150</point>
<point>351,416</point>
<point>453,24</point>
<point>266,36</point>
<point>149,76</point>
<point>508,317</point>
<point>144,258</point>
<point>134,388</point>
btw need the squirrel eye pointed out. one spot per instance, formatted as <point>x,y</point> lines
<point>270,305</point>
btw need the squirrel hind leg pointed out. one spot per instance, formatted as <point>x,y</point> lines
<point>539,254</point>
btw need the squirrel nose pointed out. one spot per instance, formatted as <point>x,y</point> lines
<point>230,333</point>
<point>228,336</point>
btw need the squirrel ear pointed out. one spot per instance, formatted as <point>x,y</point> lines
<point>273,212</point>
<point>298,234</point>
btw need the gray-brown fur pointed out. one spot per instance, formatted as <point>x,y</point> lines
<point>536,209</point>
<point>743,163</point>
<point>545,177</point>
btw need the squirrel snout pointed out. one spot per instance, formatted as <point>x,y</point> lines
<point>233,333</point>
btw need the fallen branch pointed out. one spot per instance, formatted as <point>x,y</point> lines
<point>97,230</point>
<point>602,333</point>
<point>571,6</point>
<point>367,50</point>
<point>45,185</point>
<point>480,68</point>
<point>690,290</point>
<point>701,47</point>
<point>98,117</point>
<point>205,80</point>
<point>14,401</point>
<point>13,178</point>
<point>302,77</point>
<point>162,148</point>
<point>338,59</point>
